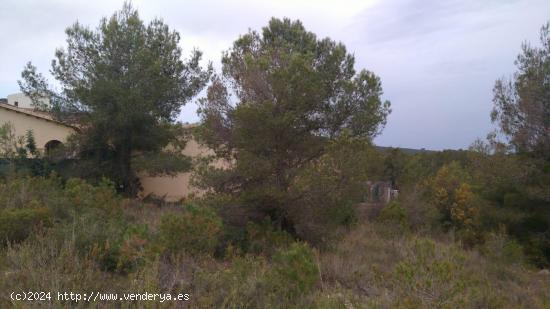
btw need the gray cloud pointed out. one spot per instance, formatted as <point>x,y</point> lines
<point>407,20</point>
<point>438,61</point>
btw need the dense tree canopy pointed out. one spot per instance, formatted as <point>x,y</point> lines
<point>283,93</point>
<point>522,105</point>
<point>123,84</point>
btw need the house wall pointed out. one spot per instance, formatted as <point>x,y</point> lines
<point>22,100</point>
<point>177,187</point>
<point>43,130</point>
<point>171,188</point>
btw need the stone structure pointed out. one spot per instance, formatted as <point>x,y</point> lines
<point>380,192</point>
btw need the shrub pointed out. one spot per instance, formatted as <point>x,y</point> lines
<point>329,190</point>
<point>44,264</point>
<point>239,285</point>
<point>18,224</point>
<point>396,270</point>
<point>458,205</point>
<point>502,249</point>
<point>115,245</point>
<point>132,252</point>
<point>20,192</point>
<point>287,281</point>
<point>295,271</point>
<point>265,239</point>
<point>443,188</point>
<point>394,213</point>
<point>196,230</point>
<point>81,194</point>
<point>88,217</point>
<point>426,277</point>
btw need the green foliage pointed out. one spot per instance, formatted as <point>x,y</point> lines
<point>196,230</point>
<point>394,166</point>
<point>241,285</point>
<point>452,195</point>
<point>22,192</point>
<point>123,84</point>
<point>522,112</point>
<point>8,143</point>
<point>163,163</point>
<point>330,188</point>
<point>92,219</point>
<point>499,247</point>
<point>30,143</point>
<point>264,239</point>
<point>19,155</point>
<point>124,255</point>
<point>394,213</point>
<point>428,278</point>
<point>16,147</point>
<point>425,164</point>
<point>88,216</point>
<point>396,270</point>
<point>254,282</point>
<point>17,224</point>
<point>522,104</point>
<point>91,239</point>
<point>56,266</point>
<point>298,140</point>
<point>109,240</point>
<point>477,193</point>
<point>459,207</point>
<point>295,271</point>
<point>514,190</point>
<point>81,194</point>
<point>294,94</point>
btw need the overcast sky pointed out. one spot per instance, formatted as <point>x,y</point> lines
<point>438,59</point>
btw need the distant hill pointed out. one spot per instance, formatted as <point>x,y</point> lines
<point>413,151</point>
<point>410,151</point>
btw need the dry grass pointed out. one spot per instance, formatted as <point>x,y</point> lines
<point>388,270</point>
<point>376,265</point>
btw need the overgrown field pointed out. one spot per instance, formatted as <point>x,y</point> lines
<point>280,223</point>
<point>72,236</point>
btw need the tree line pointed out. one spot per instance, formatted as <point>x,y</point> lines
<point>295,119</point>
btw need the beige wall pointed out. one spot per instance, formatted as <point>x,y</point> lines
<point>170,188</point>
<point>23,100</point>
<point>43,130</point>
<point>177,187</point>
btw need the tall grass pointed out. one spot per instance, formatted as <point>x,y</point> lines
<point>96,241</point>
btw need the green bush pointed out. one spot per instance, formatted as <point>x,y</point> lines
<point>114,244</point>
<point>89,217</point>
<point>195,230</point>
<point>239,285</point>
<point>18,224</point>
<point>81,194</point>
<point>394,213</point>
<point>20,192</point>
<point>427,277</point>
<point>42,263</point>
<point>295,271</point>
<point>287,281</point>
<point>265,239</point>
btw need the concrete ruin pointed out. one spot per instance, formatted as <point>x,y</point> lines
<point>380,192</point>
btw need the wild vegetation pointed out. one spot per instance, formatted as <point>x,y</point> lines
<point>123,85</point>
<point>286,225</point>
